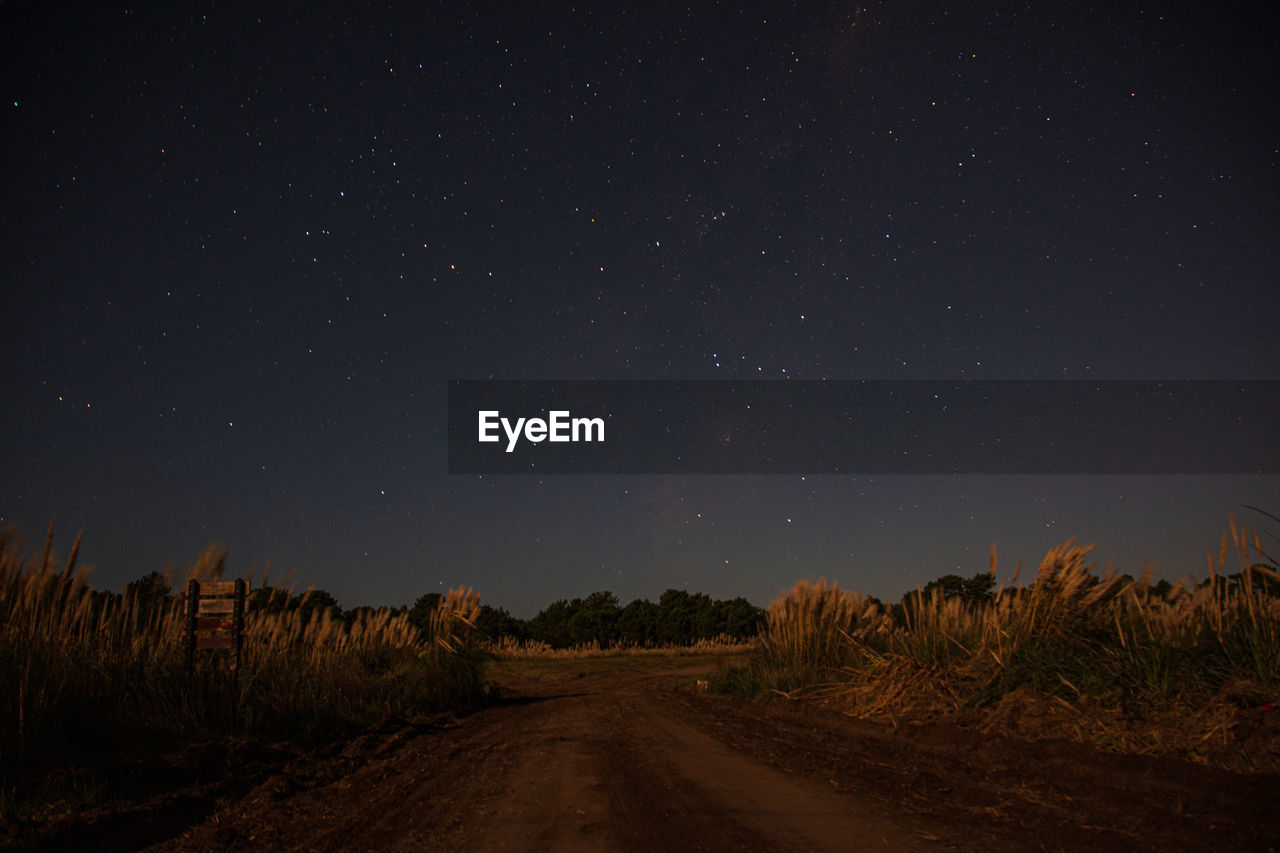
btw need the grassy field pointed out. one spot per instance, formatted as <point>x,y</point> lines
<point>1111,659</point>
<point>1193,670</point>
<point>85,676</point>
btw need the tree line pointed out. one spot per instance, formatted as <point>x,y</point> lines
<point>678,618</point>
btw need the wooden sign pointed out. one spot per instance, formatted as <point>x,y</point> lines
<point>215,618</point>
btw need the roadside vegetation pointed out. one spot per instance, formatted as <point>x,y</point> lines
<point>1116,660</point>
<point>599,624</point>
<point>88,677</point>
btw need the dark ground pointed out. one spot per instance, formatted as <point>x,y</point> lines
<point>626,754</point>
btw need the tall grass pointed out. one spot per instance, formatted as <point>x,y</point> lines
<point>809,629</point>
<point>1069,636</point>
<point>310,674</point>
<point>89,674</point>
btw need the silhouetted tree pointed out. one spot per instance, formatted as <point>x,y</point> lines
<point>496,623</point>
<point>637,623</point>
<point>420,612</point>
<point>551,625</point>
<point>151,591</point>
<point>738,618</point>
<point>594,619</point>
<point>313,604</point>
<point>267,599</point>
<point>974,590</point>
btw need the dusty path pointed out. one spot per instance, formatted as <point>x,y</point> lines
<point>601,762</point>
<point>613,768</point>
<point>619,760</point>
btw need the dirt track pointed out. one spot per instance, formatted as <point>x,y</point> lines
<point>623,754</point>
<point>601,762</point>
<point>622,760</point>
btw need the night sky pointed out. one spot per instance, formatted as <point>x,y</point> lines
<point>245,250</point>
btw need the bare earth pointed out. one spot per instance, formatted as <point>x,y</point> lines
<point>625,756</point>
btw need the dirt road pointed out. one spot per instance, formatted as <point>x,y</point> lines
<point>601,762</point>
<point>634,760</point>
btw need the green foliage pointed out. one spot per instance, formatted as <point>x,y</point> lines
<point>637,623</point>
<point>975,590</point>
<point>551,625</point>
<point>679,618</point>
<point>593,620</point>
<point>738,618</point>
<point>494,623</point>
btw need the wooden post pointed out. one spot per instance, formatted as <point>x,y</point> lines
<point>237,626</point>
<point>193,603</point>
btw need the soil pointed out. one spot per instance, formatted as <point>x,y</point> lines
<point>582,757</point>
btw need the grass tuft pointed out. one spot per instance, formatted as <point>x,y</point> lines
<point>1070,637</point>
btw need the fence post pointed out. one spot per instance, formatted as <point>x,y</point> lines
<point>237,626</point>
<point>193,605</point>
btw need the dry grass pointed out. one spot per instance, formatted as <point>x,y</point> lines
<point>1108,646</point>
<point>85,673</point>
<point>810,626</point>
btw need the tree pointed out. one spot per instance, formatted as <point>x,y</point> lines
<point>496,622</point>
<point>980,588</point>
<point>675,617</point>
<point>551,626</point>
<point>679,618</point>
<point>974,590</point>
<point>420,613</point>
<point>267,599</point>
<point>594,619</point>
<point>150,592</point>
<point>363,611</point>
<point>738,618</point>
<point>703,612</point>
<point>637,623</point>
<point>313,604</point>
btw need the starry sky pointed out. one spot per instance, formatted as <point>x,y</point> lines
<point>246,248</point>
